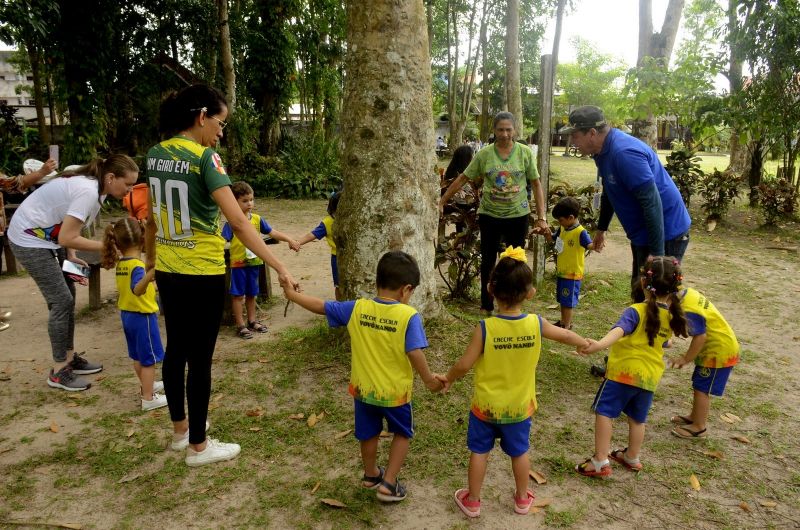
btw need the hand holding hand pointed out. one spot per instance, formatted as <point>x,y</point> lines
<point>445,384</point>
<point>589,348</point>
<point>288,282</point>
<point>678,362</point>
<point>294,245</point>
<point>599,240</point>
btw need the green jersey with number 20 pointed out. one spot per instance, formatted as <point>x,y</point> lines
<point>182,174</point>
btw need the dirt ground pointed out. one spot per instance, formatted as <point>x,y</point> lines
<point>729,270</point>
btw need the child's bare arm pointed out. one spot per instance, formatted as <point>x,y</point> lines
<point>694,348</point>
<point>141,286</point>
<point>611,337</point>
<point>280,236</point>
<point>308,238</point>
<point>420,365</point>
<point>470,357</point>
<point>311,303</point>
<point>564,336</point>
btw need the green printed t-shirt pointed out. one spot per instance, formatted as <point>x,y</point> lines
<point>505,181</point>
<point>182,174</point>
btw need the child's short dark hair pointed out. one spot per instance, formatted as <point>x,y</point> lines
<point>511,280</point>
<point>566,207</point>
<point>241,188</point>
<point>333,202</point>
<point>397,269</point>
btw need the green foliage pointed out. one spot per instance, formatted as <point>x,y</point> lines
<point>682,165</point>
<point>588,215</point>
<point>719,189</point>
<point>459,251</point>
<point>777,199</point>
<point>10,140</point>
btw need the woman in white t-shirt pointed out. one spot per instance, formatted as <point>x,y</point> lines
<point>46,230</point>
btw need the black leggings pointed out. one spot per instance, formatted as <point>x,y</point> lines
<point>192,307</point>
<point>495,231</point>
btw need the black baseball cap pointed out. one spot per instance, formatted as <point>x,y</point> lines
<point>585,117</point>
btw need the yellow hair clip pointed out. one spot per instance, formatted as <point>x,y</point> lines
<point>517,253</point>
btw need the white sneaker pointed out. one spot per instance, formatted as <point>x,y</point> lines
<point>158,386</point>
<point>158,401</point>
<point>181,442</point>
<point>215,451</point>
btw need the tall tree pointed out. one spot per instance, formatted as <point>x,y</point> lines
<point>390,190</point>
<point>228,72</point>
<point>513,90</point>
<point>655,48</point>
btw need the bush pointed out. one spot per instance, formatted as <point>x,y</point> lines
<point>682,166</point>
<point>311,167</point>
<point>777,198</point>
<point>719,189</point>
<point>585,194</point>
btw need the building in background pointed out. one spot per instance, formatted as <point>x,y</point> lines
<point>16,89</point>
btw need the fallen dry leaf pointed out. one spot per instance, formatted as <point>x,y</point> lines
<point>53,426</point>
<point>75,396</point>
<point>554,306</point>
<point>534,509</point>
<point>255,429</point>
<point>312,420</point>
<point>129,478</point>
<point>204,490</point>
<point>156,414</point>
<point>320,416</point>
<point>729,418</point>
<point>694,482</point>
<point>719,455</point>
<point>743,439</point>
<point>298,416</point>
<point>263,361</point>
<point>333,502</point>
<point>744,506</point>
<point>768,504</point>
<point>130,433</point>
<point>213,406</point>
<point>243,370</point>
<point>72,405</point>
<point>217,397</point>
<point>100,378</point>
<point>220,496</point>
<point>315,488</point>
<point>255,413</point>
<point>385,434</point>
<point>541,503</point>
<point>538,477</point>
<point>340,435</point>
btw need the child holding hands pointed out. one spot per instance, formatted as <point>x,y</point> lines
<point>714,350</point>
<point>137,304</point>
<point>387,339</point>
<point>505,350</point>
<point>635,365</point>
<point>245,264</point>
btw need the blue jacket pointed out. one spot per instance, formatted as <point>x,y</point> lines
<point>640,191</point>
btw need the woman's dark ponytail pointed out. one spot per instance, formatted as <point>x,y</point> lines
<point>179,109</point>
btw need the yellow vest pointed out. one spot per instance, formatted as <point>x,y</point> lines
<point>146,303</point>
<point>505,374</point>
<point>241,256</point>
<point>381,373</point>
<point>570,262</point>
<point>328,222</point>
<point>721,348</point>
<point>633,361</point>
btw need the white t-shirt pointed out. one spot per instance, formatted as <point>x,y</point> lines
<point>37,221</point>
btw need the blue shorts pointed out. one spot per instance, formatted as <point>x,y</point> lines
<point>613,398</point>
<point>335,270</point>
<point>710,380</point>
<point>567,292</point>
<point>369,420</point>
<point>244,280</point>
<point>142,336</point>
<point>514,437</point>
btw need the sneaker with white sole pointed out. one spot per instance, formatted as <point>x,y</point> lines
<point>215,451</point>
<point>65,379</point>
<point>181,441</point>
<point>158,386</point>
<point>158,401</point>
<point>82,366</point>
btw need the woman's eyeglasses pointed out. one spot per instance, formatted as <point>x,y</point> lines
<point>222,124</point>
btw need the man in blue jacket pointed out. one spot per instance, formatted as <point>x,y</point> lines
<point>635,186</point>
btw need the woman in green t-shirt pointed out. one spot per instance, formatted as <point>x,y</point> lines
<point>188,186</point>
<point>503,170</point>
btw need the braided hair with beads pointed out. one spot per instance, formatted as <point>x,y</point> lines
<point>661,276</point>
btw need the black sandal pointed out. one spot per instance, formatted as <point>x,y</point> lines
<point>374,482</point>
<point>244,333</point>
<point>257,326</point>
<point>397,492</point>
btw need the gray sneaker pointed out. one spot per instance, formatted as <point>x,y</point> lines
<point>81,366</point>
<point>65,379</point>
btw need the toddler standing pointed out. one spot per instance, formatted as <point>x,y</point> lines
<point>635,365</point>
<point>505,351</point>
<point>245,265</point>
<point>137,304</point>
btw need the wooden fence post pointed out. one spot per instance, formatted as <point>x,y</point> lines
<point>543,157</point>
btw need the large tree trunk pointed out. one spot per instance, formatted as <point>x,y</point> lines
<point>391,192</point>
<point>739,162</point>
<point>34,57</point>
<point>658,46</point>
<point>514,93</point>
<point>484,92</point>
<point>228,72</point>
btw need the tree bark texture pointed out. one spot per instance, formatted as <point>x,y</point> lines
<point>34,57</point>
<point>390,189</point>
<point>514,94</point>
<point>228,72</point>
<point>658,46</point>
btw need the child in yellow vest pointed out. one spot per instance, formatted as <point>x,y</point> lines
<point>387,339</point>
<point>325,229</point>
<point>714,350</point>
<point>635,365</point>
<point>505,350</point>
<point>245,265</point>
<point>571,239</point>
<point>137,304</point>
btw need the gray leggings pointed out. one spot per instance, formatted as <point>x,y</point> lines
<point>44,266</point>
